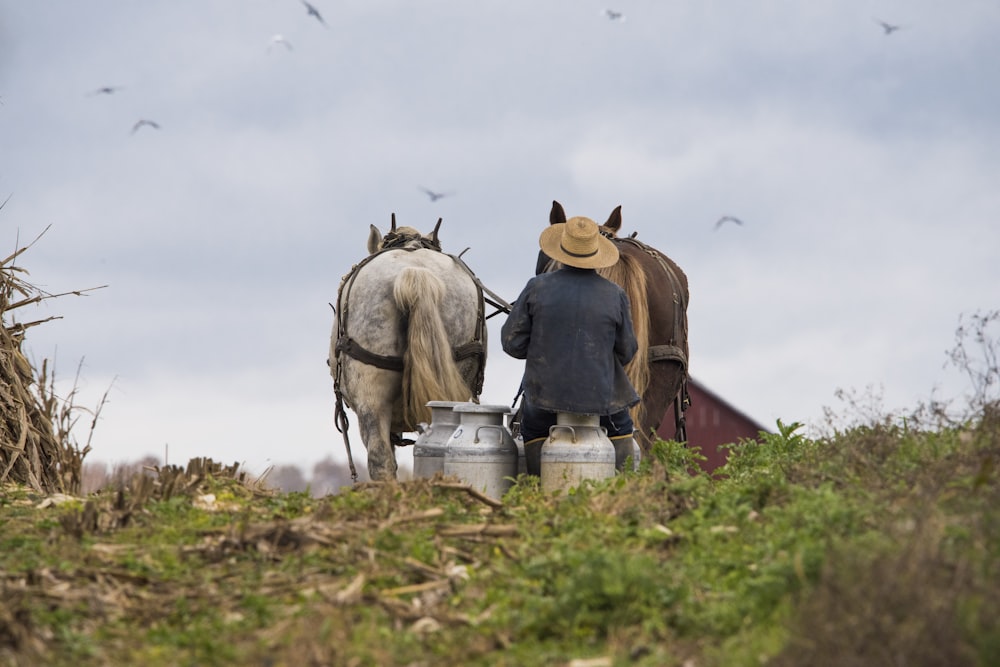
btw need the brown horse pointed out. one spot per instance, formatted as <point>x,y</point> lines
<point>658,295</point>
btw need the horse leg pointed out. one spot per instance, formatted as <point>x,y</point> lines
<point>666,380</point>
<point>372,392</point>
<point>374,429</point>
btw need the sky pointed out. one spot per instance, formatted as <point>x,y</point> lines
<point>864,166</point>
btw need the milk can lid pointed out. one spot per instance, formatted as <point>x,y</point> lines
<point>477,407</point>
<point>443,404</point>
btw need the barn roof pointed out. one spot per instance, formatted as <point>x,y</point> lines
<point>727,405</point>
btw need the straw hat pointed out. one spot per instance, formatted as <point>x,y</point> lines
<point>578,242</point>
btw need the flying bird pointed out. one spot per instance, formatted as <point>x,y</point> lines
<point>279,39</point>
<point>434,195</point>
<point>888,28</point>
<point>727,218</point>
<point>312,11</point>
<point>142,121</point>
<point>105,90</point>
<point>613,15</point>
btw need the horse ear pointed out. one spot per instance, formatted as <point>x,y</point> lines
<point>374,239</point>
<point>434,234</point>
<point>614,222</point>
<point>557,215</point>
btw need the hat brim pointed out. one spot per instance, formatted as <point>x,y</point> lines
<point>551,244</point>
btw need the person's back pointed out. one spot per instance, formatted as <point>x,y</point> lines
<point>574,330</point>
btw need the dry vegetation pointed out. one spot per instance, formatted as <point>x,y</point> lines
<point>36,443</point>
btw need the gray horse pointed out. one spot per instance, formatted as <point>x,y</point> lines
<point>409,329</point>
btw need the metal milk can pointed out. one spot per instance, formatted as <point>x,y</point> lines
<point>429,447</point>
<point>577,448</point>
<point>481,451</point>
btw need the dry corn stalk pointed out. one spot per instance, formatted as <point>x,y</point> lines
<point>36,445</point>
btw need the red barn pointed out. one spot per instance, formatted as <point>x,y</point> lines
<point>711,422</point>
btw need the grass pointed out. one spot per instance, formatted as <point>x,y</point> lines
<point>876,545</point>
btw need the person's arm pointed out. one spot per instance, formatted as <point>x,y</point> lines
<point>515,335</point>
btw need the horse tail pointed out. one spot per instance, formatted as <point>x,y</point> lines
<point>429,369</point>
<point>628,274</point>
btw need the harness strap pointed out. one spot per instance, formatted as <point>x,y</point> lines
<point>682,401</point>
<point>342,424</point>
<point>353,348</point>
<point>397,241</point>
<point>468,351</point>
<point>476,346</point>
<point>668,353</point>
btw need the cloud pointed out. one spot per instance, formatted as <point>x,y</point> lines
<point>863,167</point>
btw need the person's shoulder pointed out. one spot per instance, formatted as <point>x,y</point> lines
<point>547,277</point>
<point>538,278</point>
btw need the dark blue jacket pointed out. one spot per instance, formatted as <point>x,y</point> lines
<point>573,328</point>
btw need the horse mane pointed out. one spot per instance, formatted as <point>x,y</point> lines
<point>429,369</point>
<point>628,274</point>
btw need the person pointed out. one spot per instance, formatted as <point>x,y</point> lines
<point>574,330</point>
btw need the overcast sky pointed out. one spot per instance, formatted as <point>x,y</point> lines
<point>865,167</point>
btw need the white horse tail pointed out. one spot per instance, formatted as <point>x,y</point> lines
<point>429,369</point>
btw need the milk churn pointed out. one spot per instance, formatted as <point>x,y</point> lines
<point>481,451</point>
<point>577,448</point>
<point>428,449</point>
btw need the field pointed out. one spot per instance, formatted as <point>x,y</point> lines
<point>878,545</point>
